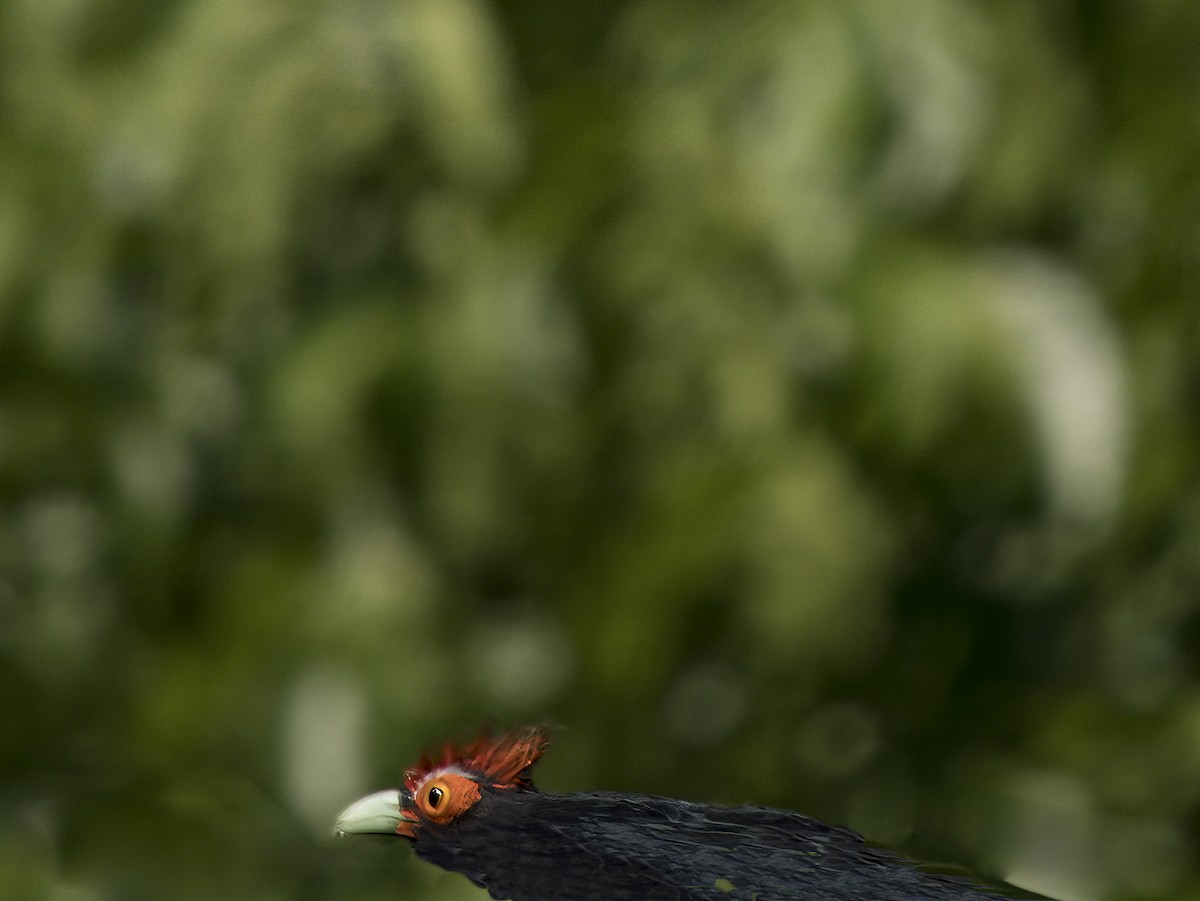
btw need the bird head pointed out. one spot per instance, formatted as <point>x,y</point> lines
<point>443,787</point>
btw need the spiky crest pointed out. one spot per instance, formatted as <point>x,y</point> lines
<point>501,761</point>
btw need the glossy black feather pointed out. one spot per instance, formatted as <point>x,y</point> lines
<point>534,846</point>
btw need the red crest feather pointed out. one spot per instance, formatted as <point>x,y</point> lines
<point>503,761</point>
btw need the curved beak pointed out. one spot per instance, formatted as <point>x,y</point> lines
<point>379,813</point>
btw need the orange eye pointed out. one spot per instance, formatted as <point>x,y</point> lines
<point>444,797</point>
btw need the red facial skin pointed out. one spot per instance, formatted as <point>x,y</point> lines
<point>443,787</point>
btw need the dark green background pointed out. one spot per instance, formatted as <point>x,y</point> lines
<point>790,402</point>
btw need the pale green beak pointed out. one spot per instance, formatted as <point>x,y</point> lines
<point>378,813</point>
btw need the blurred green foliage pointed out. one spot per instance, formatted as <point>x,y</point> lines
<point>793,402</point>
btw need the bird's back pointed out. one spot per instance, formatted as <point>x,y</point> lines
<point>533,846</point>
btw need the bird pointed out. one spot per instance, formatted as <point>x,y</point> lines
<point>473,809</point>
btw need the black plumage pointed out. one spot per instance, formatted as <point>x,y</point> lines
<point>476,812</point>
<point>534,846</point>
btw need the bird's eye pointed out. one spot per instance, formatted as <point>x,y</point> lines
<point>445,796</point>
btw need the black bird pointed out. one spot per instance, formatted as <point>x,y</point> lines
<point>475,810</point>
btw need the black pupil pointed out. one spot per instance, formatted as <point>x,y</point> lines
<point>435,797</point>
